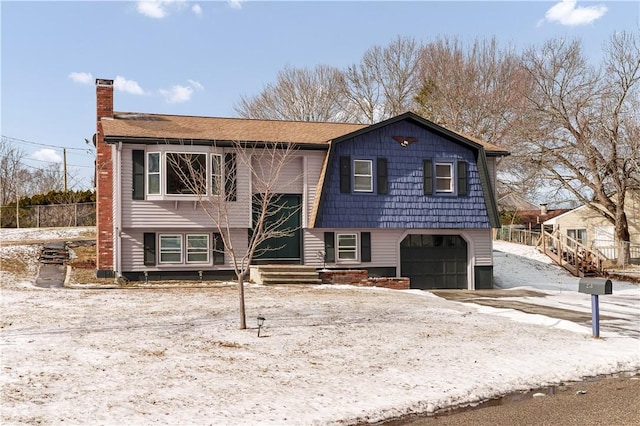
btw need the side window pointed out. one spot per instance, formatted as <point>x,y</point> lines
<point>216,174</point>
<point>153,173</point>
<point>198,248</point>
<point>363,176</point>
<point>230,183</point>
<point>170,248</point>
<point>347,246</point>
<point>444,177</point>
<point>580,235</point>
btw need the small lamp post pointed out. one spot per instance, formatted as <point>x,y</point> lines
<point>260,323</point>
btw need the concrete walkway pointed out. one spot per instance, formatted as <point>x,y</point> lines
<point>51,276</point>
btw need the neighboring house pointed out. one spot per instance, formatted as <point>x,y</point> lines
<point>514,202</point>
<point>594,231</point>
<point>403,197</point>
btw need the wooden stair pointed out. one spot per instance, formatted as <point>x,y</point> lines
<point>572,255</point>
<point>286,274</point>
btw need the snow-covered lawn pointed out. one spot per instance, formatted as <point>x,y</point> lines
<point>328,355</point>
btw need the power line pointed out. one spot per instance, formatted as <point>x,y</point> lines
<point>54,162</point>
<point>10,139</point>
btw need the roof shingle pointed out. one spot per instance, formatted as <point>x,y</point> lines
<point>160,126</point>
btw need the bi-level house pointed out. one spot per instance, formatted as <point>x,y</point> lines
<point>403,197</point>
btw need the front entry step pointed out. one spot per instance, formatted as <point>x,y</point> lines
<point>285,274</point>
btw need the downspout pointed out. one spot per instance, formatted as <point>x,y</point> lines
<point>117,211</point>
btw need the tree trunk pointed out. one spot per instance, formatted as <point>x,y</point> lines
<point>243,317</point>
<point>623,237</point>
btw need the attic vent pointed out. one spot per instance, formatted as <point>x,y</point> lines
<point>404,141</point>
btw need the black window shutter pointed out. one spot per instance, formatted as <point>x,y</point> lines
<point>329,247</point>
<point>462,178</point>
<point>138,174</point>
<point>230,170</point>
<point>365,246</point>
<point>381,167</point>
<point>218,249</point>
<point>345,175</point>
<point>427,171</point>
<point>149,248</point>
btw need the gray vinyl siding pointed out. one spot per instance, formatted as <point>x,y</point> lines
<point>290,180</point>
<point>385,246</point>
<point>482,246</point>
<point>165,214</point>
<point>132,244</point>
<point>312,172</point>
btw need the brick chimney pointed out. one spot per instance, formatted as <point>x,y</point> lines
<point>104,183</point>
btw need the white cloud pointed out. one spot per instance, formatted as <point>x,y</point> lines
<point>180,93</point>
<point>195,84</point>
<point>81,77</point>
<point>566,12</point>
<point>177,94</point>
<point>159,9</point>
<point>128,86</point>
<point>196,9</point>
<point>236,4</point>
<point>47,154</point>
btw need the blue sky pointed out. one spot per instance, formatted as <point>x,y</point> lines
<point>199,58</point>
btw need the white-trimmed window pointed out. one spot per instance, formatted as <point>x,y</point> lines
<point>197,248</point>
<point>363,175</point>
<point>170,248</point>
<point>444,177</point>
<point>185,173</point>
<point>178,175</point>
<point>216,174</point>
<point>347,247</point>
<point>153,173</point>
<point>580,235</point>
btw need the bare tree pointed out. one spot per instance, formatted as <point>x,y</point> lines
<point>299,94</point>
<point>586,124</point>
<point>476,89</point>
<point>265,164</point>
<point>384,83</point>
<point>13,174</point>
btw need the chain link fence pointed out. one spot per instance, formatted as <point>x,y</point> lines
<point>46,216</point>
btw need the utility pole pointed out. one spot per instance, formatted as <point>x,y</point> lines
<point>17,209</point>
<point>64,165</point>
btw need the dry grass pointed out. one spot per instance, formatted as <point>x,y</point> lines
<point>15,266</point>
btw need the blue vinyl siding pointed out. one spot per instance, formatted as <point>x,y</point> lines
<point>405,205</point>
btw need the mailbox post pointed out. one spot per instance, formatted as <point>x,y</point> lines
<point>595,287</point>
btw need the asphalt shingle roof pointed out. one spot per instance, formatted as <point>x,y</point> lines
<point>189,128</point>
<point>160,126</point>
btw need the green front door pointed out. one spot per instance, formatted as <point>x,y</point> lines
<point>282,249</point>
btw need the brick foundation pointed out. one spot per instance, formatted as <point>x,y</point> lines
<point>359,277</point>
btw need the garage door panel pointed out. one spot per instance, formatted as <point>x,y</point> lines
<point>434,261</point>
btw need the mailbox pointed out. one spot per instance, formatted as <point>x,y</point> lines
<point>595,286</point>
